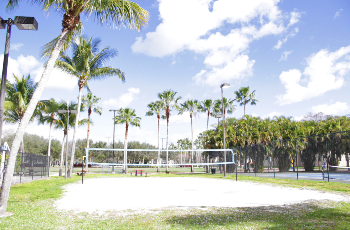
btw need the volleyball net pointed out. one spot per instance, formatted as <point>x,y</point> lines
<point>204,159</point>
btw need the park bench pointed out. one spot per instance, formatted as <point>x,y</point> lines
<point>139,171</point>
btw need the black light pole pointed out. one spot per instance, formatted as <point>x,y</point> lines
<point>222,86</point>
<point>113,135</point>
<point>22,23</point>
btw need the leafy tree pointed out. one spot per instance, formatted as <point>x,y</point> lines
<point>127,116</point>
<point>115,12</point>
<point>245,97</point>
<point>17,100</point>
<point>169,101</point>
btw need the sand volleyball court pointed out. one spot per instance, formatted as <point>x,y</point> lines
<point>144,193</point>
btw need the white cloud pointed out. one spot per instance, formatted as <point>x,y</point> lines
<point>285,55</point>
<point>324,72</point>
<point>337,14</point>
<point>294,18</point>
<point>58,79</point>
<point>291,34</point>
<point>16,46</point>
<point>124,100</point>
<point>270,115</point>
<point>25,65</point>
<point>338,108</point>
<point>197,33</point>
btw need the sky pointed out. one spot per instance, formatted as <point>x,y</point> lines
<point>295,54</point>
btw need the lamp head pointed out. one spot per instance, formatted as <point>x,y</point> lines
<point>219,115</point>
<point>225,85</point>
<point>61,111</point>
<point>2,23</point>
<point>26,23</point>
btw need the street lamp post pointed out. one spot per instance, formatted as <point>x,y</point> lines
<point>222,86</point>
<point>114,110</point>
<point>22,23</point>
<point>67,111</point>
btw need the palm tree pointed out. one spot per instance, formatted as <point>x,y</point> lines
<point>192,107</point>
<point>61,123</point>
<point>114,12</point>
<point>49,115</point>
<point>89,101</point>
<point>127,116</point>
<point>208,106</point>
<point>17,100</point>
<point>156,108</point>
<point>169,101</point>
<point>87,64</point>
<point>245,97</point>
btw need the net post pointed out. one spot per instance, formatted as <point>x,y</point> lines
<point>237,161</point>
<point>296,157</point>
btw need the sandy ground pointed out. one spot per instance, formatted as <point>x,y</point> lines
<point>144,193</point>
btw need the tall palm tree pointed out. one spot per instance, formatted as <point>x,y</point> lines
<point>87,64</point>
<point>192,107</point>
<point>127,116</point>
<point>89,101</point>
<point>229,107</point>
<point>156,108</point>
<point>49,115</point>
<point>169,101</point>
<point>115,12</point>
<point>17,100</point>
<point>61,123</point>
<point>245,97</point>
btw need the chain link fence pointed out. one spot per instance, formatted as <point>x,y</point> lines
<point>28,167</point>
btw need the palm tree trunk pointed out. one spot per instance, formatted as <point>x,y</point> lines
<point>49,149</point>
<point>208,120</point>
<point>158,170</point>
<point>70,169</point>
<point>125,148</point>
<point>192,144</point>
<point>5,191</point>
<point>62,151</point>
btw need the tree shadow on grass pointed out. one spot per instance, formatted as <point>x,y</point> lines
<point>296,216</point>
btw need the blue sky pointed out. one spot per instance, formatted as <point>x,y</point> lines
<point>295,54</point>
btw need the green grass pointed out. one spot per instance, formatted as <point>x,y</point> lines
<point>32,205</point>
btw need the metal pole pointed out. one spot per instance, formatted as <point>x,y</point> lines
<point>223,125</point>
<point>296,158</point>
<point>4,73</point>
<point>327,160</point>
<point>273,162</point>
<point>113,139</point>
<point>237,160</point>
<point>65,167</point>
<point>82,171</point>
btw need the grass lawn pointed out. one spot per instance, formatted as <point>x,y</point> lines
<point>32,205</point>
